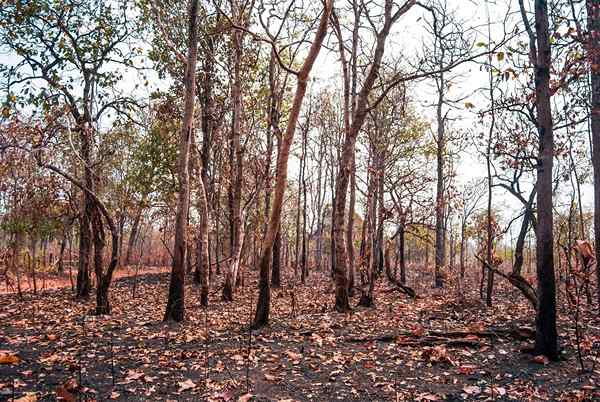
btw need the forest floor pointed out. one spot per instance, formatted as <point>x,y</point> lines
<point>437,347</point>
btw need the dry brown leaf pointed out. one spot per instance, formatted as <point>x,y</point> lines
<point>28,397</point>
<point>270,377</point>
<point>185,385</point>
<point>540,359</point>
<point>7,357</point>
<point>245,398</point>
<point>64,394</point>
<point>472,390</point>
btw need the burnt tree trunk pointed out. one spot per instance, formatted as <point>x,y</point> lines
<point>593,11</point>
<point>546,339</point>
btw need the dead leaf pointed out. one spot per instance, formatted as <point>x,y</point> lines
<point>467,370</point>
<point>7,357</point>
<point>540,359</point>
<point>270,377</point>
<point>185,385</point>
<point>28,397</point>
<point>65,395</point>
<point>245,398</point>
<point>472,390</point>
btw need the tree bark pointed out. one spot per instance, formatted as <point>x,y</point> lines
<point>263,305</point>
<point>133,235</point>
<point>343,175</point>
<point>546,339</point>
<point>593,11</point>
<point>175,310</point>
<point>440,252</point>
<point>84,286</point>
<point>235,160</point>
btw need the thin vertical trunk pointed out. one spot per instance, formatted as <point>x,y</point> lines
<point>236,160</point>
<point>488,156</point>
<point>401,253</point>
<point>175,310</point>
<point>440,252</point>
<point>546,340</point>
<point>463,229</point>
<point>593,11</point>
<point>133,235</point>
<point>263,305</point>
<point>350,229</point>
<point>61,255</point>
<point>85,233</point>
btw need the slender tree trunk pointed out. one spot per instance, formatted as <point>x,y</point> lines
<point>85,233</point>
<point>593,11</point>
<point>175,310</point>
<point>235,190</point>
<point>463,229</point>
<point>440,252</point>
<point>276,269</point>
<point>350,229</point>
<point>102,304</point>
<point>263,305</point>
<point>61,255</point>
<point>546,340</point>
<point>133,235</point>
<point>203,256</point>
<point>401,253</point>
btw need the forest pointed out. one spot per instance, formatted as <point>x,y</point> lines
<point>292,200</point>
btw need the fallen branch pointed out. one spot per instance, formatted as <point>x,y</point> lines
<point>450,338</point>
<point>516,280</point>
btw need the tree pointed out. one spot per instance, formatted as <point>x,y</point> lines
<point>593,48</point>
<point>175,310</point>
<point>72,53</point>
<point>546,339</point>
<point>261,318</point>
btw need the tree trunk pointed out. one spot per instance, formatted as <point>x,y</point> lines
<point>350,230</point>
<point>546,339</point>
<point>263,305</point>
<point>175,310</point>
<point>343,175</point>
<point>61,255</point>
<point>593,11</point>
<point>440,252</point>
<point>133,235</point>
<point>85,243</point>
<point>235,160</point>
<point>401,246</point>
<point>276,271</point>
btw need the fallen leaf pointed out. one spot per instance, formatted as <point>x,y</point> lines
<point>28,397</point>
<point>468,370</point>
<point>270,377</point>
<point>245,398</point>
<point>7,357</point>
<point>540,359</point>
<point>185,385</point>
<point>472,390</point>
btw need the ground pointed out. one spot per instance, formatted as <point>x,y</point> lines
<point>437,347</point>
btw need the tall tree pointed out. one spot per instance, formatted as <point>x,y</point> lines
<point>263,306</point>
<point>593,48</point>
<point>546,338</point>
<point>175,310</point>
